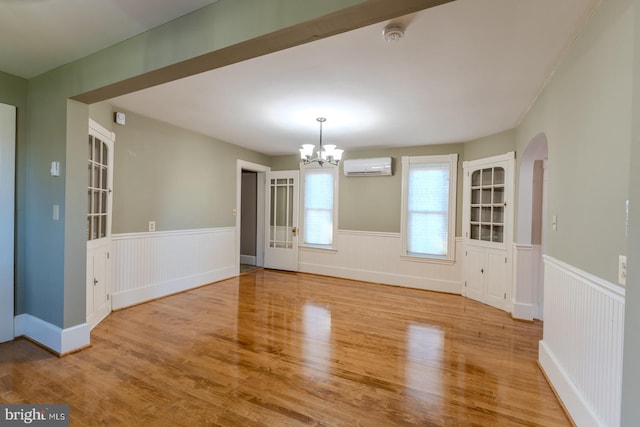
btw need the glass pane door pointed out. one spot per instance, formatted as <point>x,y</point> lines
<point>98,188</point>
<point>487,205</point>
<point>281,215</point>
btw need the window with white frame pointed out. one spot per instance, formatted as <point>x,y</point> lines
<point>429,206</point>
<point>318,205</point>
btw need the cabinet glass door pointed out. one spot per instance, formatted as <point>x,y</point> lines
<point>487,205</point>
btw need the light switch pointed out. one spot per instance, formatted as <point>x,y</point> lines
<point>554,223</point>
<point>622,270</point>
<point>56,212</point>
<point>55,169</point>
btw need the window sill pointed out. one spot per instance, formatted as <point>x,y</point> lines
<point>427,260</point>
<point>311,248</point>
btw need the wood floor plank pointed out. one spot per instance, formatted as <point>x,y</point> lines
<point>283,349</point>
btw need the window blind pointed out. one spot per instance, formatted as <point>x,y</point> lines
<point>428,208</point>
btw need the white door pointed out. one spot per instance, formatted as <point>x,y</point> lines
<point>100,178</point>
<point>7,223</point>
<point>281,248</point>
<point>488,229</point>
<point>497,278</point>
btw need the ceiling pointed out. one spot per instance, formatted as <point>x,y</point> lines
<point>39,35</point>
<point>465,69</point>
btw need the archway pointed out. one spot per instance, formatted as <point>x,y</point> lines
<point>529,247</point>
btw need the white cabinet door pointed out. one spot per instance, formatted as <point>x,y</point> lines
<point>98,279</point>
<point>488,229</point>
<point>100,170</point>
<point>474,273</point>
<point>496,277</point>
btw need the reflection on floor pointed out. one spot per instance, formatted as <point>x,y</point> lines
<point>244,268</point>
<point>291,349</point>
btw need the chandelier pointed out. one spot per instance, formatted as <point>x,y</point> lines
<point>325,154</point>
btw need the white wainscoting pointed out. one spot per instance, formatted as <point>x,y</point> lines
<point>581,352</point>
<point>376,257</point>
<point>527,282</point>
<point>156,264</point>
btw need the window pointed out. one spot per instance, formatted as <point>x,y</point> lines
<point>319,201</point>
<point>429,205</point>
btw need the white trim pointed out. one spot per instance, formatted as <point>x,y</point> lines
<point>375,257</point>
<point>452,159</point>
<point>170,233</point>
<point>579,410</point>
<point>58,340</point>
<point>260,209</point>
<point>102,131</point>
<point>614,291</point>
<point>499,158</point>
<point>7,218</point>
<point>159,290</point>
<point>248,259</point>
<point>527,267</point>
<point>369,233</point>
<point>581,352</point>
<point>401,280</point>
<point>152,265</point>
<point>311,248</point>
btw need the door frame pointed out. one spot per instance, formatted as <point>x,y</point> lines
<point>7,220</point>
<point>261,170</point>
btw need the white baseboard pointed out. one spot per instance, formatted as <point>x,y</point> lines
<point>572,399</point>
<point>159,290</point>
<point>248,259</point>
<point>58,340</point>
<point>523,311</point>
<point>438,285</point>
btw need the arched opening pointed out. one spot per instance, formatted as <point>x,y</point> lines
<point>529,286</point>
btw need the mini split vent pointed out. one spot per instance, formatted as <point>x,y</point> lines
<point>380,166</point>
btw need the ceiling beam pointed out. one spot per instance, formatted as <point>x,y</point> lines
<point>351,18</point>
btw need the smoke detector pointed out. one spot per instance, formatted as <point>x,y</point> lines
<point>393,32</point>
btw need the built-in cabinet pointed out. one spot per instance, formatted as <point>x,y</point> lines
<point>99,203</point>
<point>488,230</point>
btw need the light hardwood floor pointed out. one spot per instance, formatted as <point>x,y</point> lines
<point>284,349</point>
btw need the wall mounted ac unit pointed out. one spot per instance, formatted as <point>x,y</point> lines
<point>379,166</point>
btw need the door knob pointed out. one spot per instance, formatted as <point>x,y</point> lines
<point>294,231</point>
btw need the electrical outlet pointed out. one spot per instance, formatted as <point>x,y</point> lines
<point>152,226</point>
<point>622,269</point>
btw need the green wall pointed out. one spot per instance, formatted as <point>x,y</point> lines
<point>178,178</point>
<point>374,203</point>
<point>631,368</point>
<point>49,250</point>
<point>585,113</point>
<point>494,145</point>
